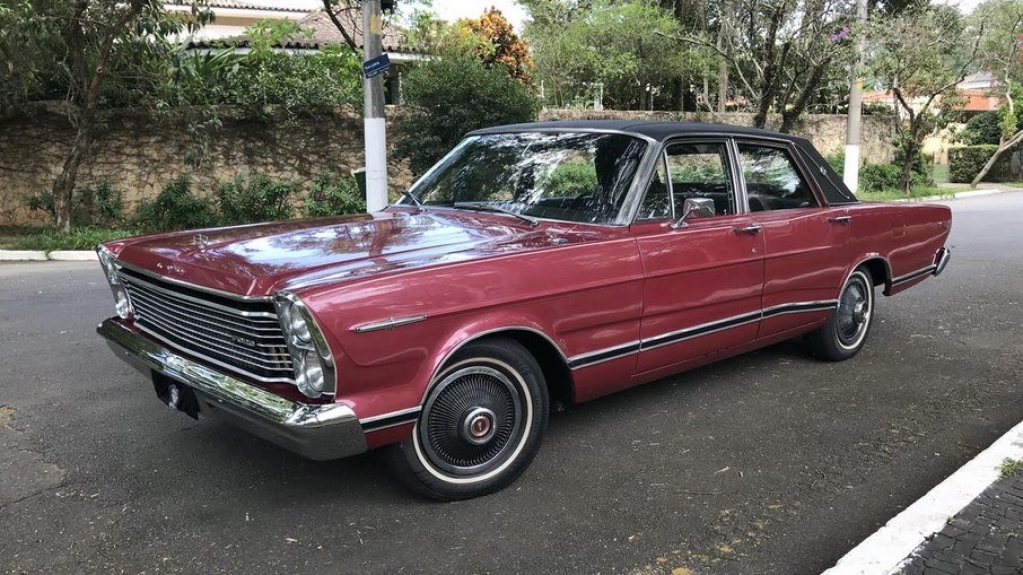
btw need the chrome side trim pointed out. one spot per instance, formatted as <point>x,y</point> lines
<point>622,350</point>
<point>392,419</point>
<point>699,330</point>
<point>602,355</point>
<point>317,431</point>
<point>914,275</point>
<point>175,281</point>
<point>388,324</point>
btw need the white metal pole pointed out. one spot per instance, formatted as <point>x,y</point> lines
<point>375,128</point>
<point>854,123</point>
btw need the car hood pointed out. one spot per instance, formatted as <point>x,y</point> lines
<point>259,260</point>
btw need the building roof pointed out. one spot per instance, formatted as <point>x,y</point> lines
<point>324,33</point>
<point>268,5</point>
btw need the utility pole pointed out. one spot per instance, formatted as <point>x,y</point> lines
<point>855,117</point>
<point>375,128</point>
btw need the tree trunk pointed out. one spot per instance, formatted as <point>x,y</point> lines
<point>64,185</point>
<point>906,179</point>
<point>1015,139</point>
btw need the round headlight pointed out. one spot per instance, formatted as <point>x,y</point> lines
<point>121,302</point>
<point>309,374</point>
<point>298,326</point>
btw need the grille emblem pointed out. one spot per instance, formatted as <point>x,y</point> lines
<point>244,341</point>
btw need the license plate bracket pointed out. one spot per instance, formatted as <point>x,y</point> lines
<point>176,395</point>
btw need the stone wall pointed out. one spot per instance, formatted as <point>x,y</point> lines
<point>826,131</point>
<point>140,152</point>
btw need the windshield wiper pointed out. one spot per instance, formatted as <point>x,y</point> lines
<point>415,200</point>
<point>481,207</point>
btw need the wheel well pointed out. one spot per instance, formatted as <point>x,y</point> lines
<point>878,269</point>
<point>555,370</point>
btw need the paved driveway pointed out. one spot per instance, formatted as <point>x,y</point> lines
<point>768,463</point>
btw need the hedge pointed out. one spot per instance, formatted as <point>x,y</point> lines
<point>965,162</point>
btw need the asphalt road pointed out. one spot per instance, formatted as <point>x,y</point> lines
<point>771,463</point>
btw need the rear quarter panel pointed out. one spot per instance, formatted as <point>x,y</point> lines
<point>906,236</point>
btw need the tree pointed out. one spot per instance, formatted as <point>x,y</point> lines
<point>1000,50</point>
<point>501,45</point>
<point>618,45</point>
<point>920,55</point>
<point>452,94</point>
<point>781,51</point>
<point>84,46</point>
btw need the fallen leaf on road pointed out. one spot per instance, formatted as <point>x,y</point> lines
<point>681,571</point>
<point>290,540</point>
<point>722,470</point>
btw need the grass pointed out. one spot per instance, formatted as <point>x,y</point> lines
<point>918,192</point>
<point>1011,467</point>
<point>49,239</point>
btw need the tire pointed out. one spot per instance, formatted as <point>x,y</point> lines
<point>846,331</point>
<point>481,424</point>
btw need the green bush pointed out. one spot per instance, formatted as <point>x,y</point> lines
<point>450,95</point>
<point>98,204</point>
<point>258,199</point>
<point>836,160</point>
<point>331,195</point>
<point>984,128</point>
<point>965,162</point>
<point>175,208</point>
<point>879,177</point>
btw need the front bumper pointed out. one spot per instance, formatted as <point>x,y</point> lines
<point>318,432</point>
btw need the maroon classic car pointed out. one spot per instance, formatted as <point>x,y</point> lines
<point>536,263</point>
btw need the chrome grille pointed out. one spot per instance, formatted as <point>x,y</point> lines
<point>244,337</point>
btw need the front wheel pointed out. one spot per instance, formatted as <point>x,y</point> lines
<point>846,331</point>
<point>480,426</point>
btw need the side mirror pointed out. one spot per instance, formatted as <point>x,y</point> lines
<point>694,208</point>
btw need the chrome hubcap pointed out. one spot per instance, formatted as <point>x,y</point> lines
<point>854,312</point>
<point>478,426</point>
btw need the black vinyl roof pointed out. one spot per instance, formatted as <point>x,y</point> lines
<point>658,130</point>
<point>831,184</point>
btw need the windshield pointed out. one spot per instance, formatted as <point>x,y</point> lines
<point>577,177</point>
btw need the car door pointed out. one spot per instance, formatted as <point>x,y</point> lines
<point>703,279</point>
<point>805,243</point>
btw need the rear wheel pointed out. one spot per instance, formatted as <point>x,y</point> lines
<point>846,331</point>
<point>481,424</point>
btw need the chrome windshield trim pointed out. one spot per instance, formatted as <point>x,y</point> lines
<point>177,282</point>
<point>388,324</point>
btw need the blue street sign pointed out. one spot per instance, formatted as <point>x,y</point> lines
<point>376,66</point>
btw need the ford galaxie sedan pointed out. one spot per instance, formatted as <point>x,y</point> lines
<point>535,263</point>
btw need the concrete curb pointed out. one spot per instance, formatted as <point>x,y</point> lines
<point>955,196</point>
<point>888,550</point>
<point>38,256</point>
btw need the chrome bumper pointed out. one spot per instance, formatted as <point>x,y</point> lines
<point>318,432</point>
<point>941,260</point>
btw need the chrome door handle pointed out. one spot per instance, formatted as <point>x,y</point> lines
<point>751,230</point>
<point>840,220</point>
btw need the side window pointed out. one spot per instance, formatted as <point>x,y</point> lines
<point>657,201</point>
<point>772,180</point>
<point>701,171</point>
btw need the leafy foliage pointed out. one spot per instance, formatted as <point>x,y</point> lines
<point>572,180</point>
<point>984,128</point>
<point>964,163</point>
<point>175,208</point>
<point>99,204</point>
<point>331,195</point>
<point>500,44</point>
<point>257,199</point>
<point>450,95</point>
